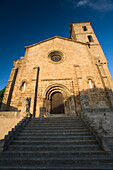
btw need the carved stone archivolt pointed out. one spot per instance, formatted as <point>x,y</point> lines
<point>54,88</point>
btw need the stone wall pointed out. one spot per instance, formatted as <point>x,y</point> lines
<point>78,72</point>
<point>8,120</point>
<point>100,122</point>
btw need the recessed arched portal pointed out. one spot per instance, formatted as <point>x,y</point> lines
<point>55,98</point>
<point>57,103</point>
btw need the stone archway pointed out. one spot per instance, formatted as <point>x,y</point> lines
<point>59,90</point>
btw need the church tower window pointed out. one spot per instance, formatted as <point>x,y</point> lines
<point>84,28</point>
<point>90,38</point>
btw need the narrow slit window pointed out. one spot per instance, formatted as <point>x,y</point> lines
<point>91,84</point>
<point>23,87</point>
<point>84,28</point>
<point>90,38</point>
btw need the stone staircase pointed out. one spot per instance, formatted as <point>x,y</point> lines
<point>55,143</point>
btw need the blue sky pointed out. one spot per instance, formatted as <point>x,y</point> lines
<point>25,22</point>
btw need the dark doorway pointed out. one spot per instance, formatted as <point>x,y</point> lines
<point>57,103</point>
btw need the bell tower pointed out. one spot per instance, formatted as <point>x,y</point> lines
<point>83,32</point>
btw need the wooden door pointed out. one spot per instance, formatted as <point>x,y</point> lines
<point>57,105</point>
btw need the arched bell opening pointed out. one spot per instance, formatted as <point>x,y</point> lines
<point>57,103</point>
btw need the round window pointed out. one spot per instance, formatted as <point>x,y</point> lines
<point>55,56</point>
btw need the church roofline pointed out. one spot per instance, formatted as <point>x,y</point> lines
<point>80,22</point>
<point>68,39</point>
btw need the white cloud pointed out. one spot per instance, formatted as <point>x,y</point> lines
<point>99,5</point>
<point>82,3</point>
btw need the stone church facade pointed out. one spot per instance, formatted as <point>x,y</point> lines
<point>61,75</point>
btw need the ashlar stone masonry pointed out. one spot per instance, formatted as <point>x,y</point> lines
<point>61,75</point>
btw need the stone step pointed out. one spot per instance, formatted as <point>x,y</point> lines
<point>54,130</point>
<point>79,166</point>
<point>55,143</point>
<point>55,118</point>
<point>51,153</point>
<point>56,124</point>
<point>49,142</point>
<point>55,127</point>
<point>55,160</point>
<point>56,121</point>
<point>57,147</point>
<point>47,134</point>
<point>53,138</point>
<point>58,118</point>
